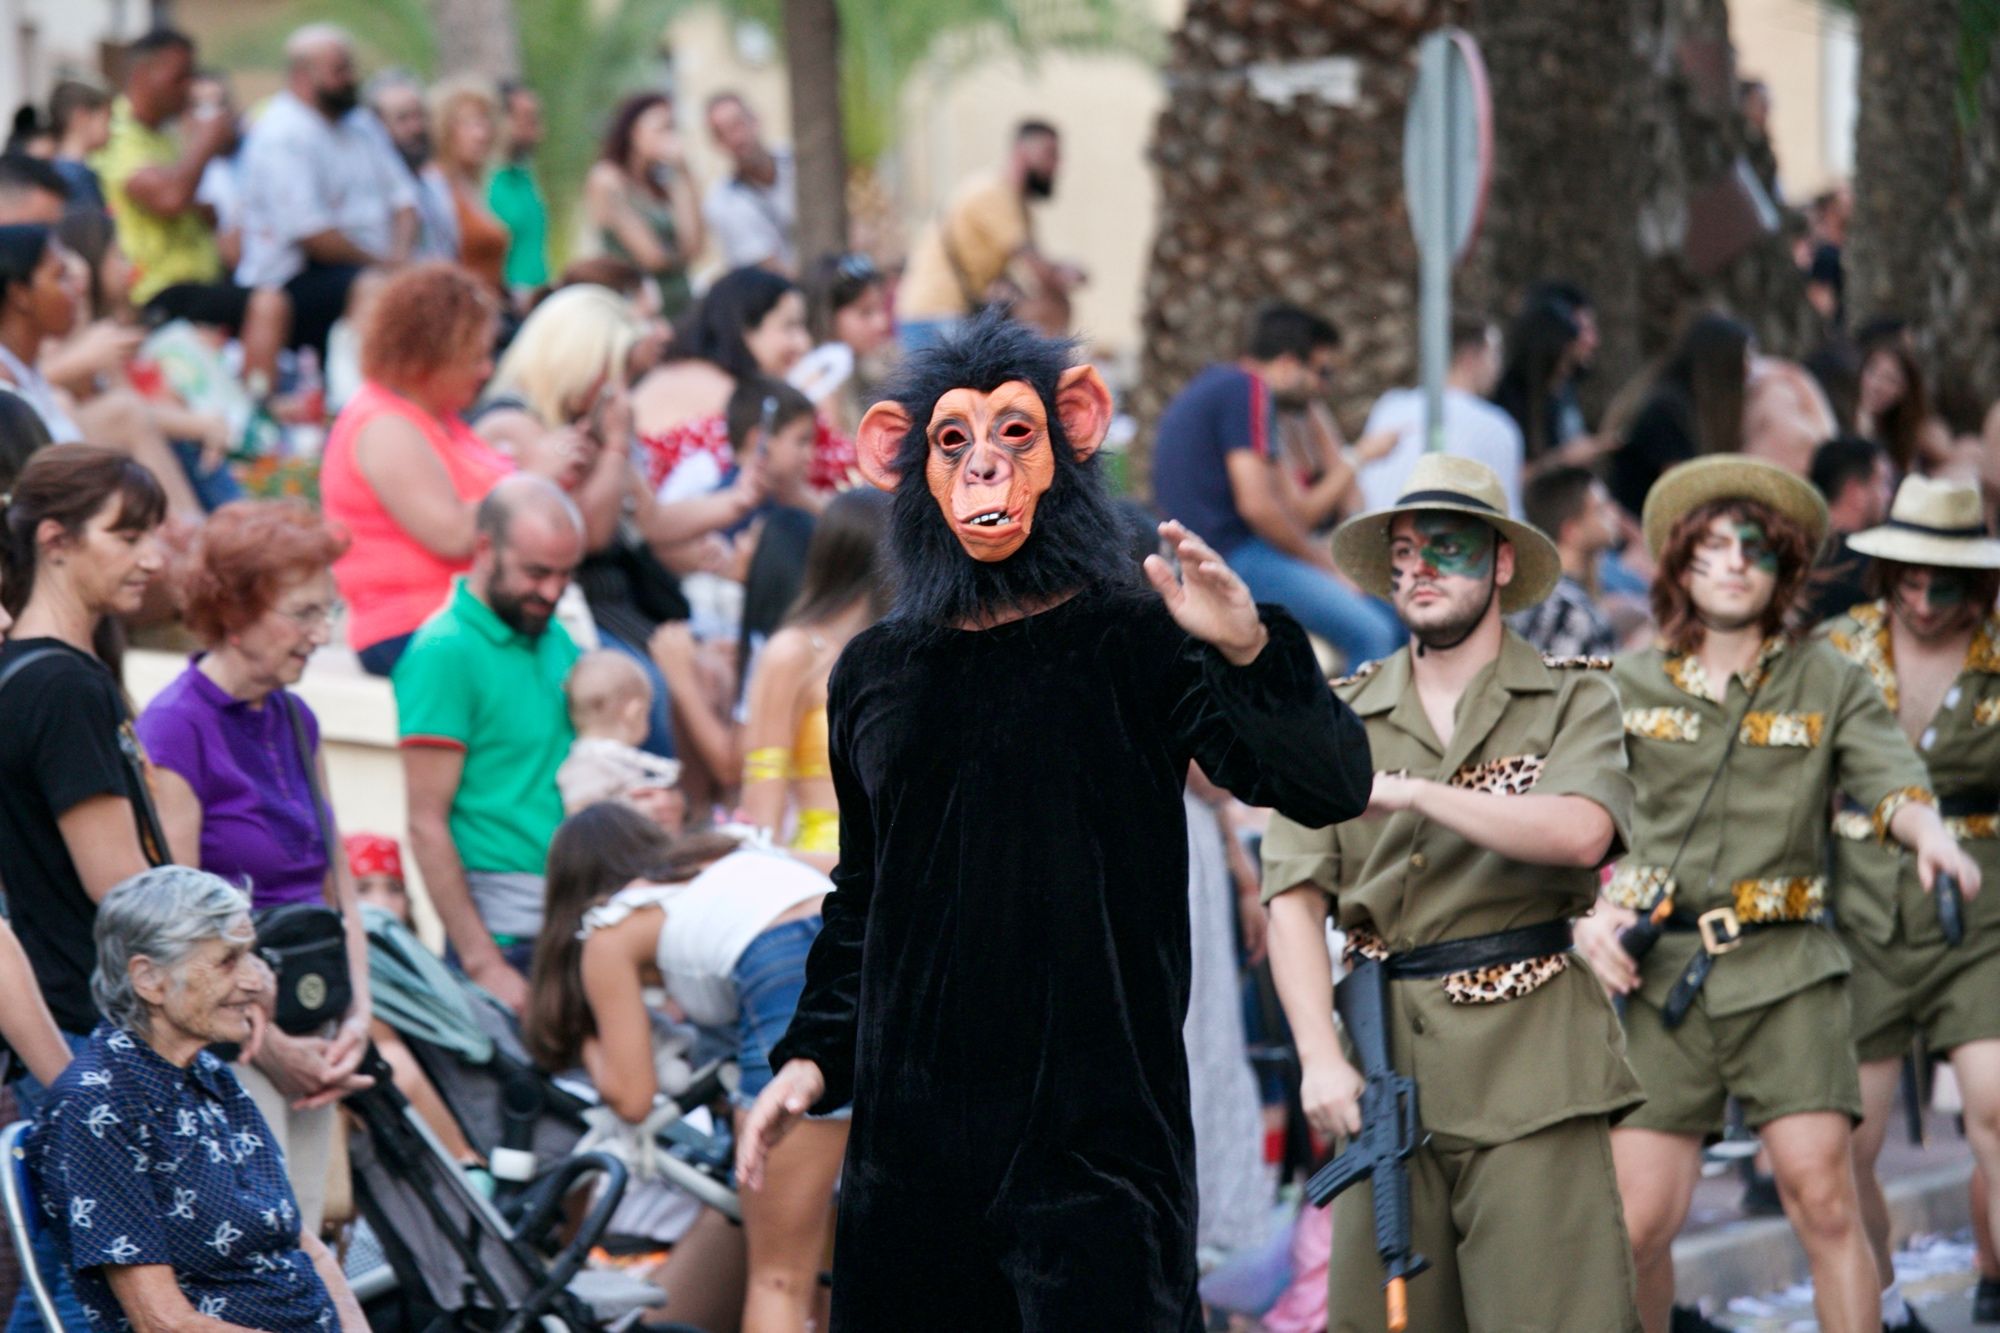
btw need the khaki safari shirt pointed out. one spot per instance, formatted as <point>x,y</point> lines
<point>1876,884</point>
<point>1807,721</point>
<point>1487,1073</point>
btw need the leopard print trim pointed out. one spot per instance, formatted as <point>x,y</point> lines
<point>1637,886</point>
<point>1366,670</point>
<point>1984,654</point>
<point>1515,775</point>
<point>1869,648</point>
<point>1576,663</point>
<point>1688,675</point>
<point>1663,724</point>
<point>1854,826</point>
<point>1482,985</point>
<point>1963,827</point>
<point>1986,713</point>
<point>1781,898</point>
<point>1886,808</point>
<point>1782,729</point>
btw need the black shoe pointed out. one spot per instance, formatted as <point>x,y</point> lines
<point>1909,1325</point>
<point>1760,1197</point>
<point>1688,1319</point>
<point>1986,1301</point>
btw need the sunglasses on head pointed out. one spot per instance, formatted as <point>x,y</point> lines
<point>857,267</point>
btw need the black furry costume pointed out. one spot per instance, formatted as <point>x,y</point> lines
<point>1003,974</point>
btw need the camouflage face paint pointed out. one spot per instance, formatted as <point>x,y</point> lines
<point>1757,548</point>
<point>1455,544</point>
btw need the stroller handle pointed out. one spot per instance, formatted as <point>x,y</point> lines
<point>569,1260</point>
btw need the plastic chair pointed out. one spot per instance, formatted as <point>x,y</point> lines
<point>17,1191</point>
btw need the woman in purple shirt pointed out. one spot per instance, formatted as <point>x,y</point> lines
<point>236,762</point>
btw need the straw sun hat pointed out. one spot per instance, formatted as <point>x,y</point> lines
<point>1932,523</point>
<point>1686,487</point>
<point>1448,484</point>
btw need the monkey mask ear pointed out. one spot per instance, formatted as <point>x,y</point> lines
<point>1083,405</point>
<point>878,441</point>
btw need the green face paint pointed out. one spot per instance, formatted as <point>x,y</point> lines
<point>1757,549</point>
<point>1454,544</point>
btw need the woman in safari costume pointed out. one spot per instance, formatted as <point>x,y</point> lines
<point>1931,642</point>
<point>1738,733</point>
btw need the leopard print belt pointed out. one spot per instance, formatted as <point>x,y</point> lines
<point>1494,983</point>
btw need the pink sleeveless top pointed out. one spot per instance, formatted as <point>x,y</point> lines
<point>390,582</point>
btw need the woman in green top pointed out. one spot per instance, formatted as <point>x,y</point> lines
<point>1738,733</point>
<point>641,199</point>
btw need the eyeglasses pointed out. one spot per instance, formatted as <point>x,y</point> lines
<point>310,618</point>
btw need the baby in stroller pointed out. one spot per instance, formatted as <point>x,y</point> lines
<point>724,928</point>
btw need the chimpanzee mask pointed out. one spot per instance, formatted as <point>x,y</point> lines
<point>991,456</point>
<point>988,441</point>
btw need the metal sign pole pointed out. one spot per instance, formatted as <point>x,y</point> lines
<point>1435,242</point>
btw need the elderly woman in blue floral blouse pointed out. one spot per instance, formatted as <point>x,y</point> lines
<point>154,1169</point>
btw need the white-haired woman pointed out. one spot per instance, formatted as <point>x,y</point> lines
<point>568,369</point>
<point>156,1173</point>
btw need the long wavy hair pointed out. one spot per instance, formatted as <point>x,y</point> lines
<point>1681,629</point>
<point>596,852</point>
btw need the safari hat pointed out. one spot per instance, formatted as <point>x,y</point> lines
<point>1446,483</point>
<point>1686,487</point>
<point>1932,523</point>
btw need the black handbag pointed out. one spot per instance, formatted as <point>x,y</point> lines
<point>305,944</point>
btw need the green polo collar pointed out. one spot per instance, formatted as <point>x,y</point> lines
<point>468,610</point>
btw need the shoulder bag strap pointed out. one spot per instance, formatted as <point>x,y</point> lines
<point>297,716</point>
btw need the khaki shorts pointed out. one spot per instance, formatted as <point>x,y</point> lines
<point>1950,995</point>
<point>1490,1220</point>
<point>1787,1058</point>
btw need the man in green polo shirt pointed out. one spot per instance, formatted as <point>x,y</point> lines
<point>514,196</point>
<point>484,726</point>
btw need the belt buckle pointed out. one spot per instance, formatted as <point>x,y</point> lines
<point>1720,930</point>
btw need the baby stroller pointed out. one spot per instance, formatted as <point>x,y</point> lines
<point>519,1118</point>
<point>436,1256</point>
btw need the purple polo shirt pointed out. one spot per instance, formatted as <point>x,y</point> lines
<point>243,762</point>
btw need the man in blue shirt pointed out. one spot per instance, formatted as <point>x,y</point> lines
<point>1215,469</point>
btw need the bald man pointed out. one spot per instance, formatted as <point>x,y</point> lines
<point>323,197</point>
<point>484,727</point>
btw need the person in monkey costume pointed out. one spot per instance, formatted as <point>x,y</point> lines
<point>1002,976</point>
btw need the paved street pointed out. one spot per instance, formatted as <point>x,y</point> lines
<point>1936,1273</point>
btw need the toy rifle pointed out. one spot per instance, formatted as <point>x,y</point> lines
<point>1950,908</point>
<point>1389,1134</point>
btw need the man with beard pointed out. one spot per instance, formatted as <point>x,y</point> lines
<point>969,257</point>
<point>484,727</point>
<point>1930,640</point>
<point>397,112</point>
<point>1739,734</point>
<point>1500,788</point>
<point>322,198</point>
<point>1217,470</point>
<point>1003,973</point>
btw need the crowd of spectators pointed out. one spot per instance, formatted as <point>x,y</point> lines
<point>597,526</point>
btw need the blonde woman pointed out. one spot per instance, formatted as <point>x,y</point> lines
<point>465,116</point>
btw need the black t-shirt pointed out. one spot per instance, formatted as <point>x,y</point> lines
<point>63,729</point>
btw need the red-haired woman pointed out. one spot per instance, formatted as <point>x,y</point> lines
<point>241,783</point>
<point>1739,733</point>
<point>403,473</point>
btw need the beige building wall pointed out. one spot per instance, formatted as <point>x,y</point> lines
<point>42,41</point>
<point>1805,52</point>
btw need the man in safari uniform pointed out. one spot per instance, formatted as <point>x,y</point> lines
<point>1500,788</point>
<point>1931,641</point>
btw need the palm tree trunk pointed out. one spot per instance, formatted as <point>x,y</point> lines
<point>812,49</point>
<point>1962,330</point>
<point>1565,197</point>
<point>477,37</point>
<point>1300,201</point>
<point>1905,154</point>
